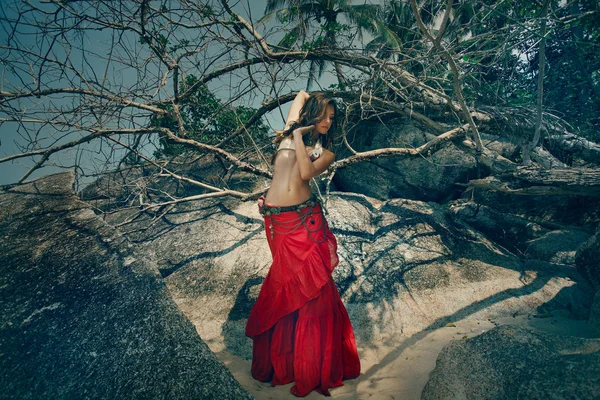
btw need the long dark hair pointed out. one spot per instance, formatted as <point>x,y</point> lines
<point>310,114</point>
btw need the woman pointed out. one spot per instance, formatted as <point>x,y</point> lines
<point>300,328</point>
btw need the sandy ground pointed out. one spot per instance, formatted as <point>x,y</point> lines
<point>399,367</point>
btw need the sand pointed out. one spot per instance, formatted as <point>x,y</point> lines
<point>398,367</point>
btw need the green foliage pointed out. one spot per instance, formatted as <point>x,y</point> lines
<point>496,45</point>
<point>289,39</point>
<point>494,42</point>
<point>315,25</point>
<point>315,44</point>
<point>183,43</point>
<point>351,84</point>
<point>208,11</point>
<point>207,120</point>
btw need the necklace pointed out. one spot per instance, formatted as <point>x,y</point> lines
<point>317,151</point>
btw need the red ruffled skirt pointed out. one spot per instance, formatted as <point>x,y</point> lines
<point>300,328</point>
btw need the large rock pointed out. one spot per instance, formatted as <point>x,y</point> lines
<point>419,178</point>
<point>520,235</point>
<point>504,146</point>
<point>595,315</point>
<point>511,362</point>
<point>405,266</point>
<point>146,184</point>
<point>587,259</point>
<point>84,315</point>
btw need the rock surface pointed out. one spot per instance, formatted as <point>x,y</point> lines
<point>418,178</point>
<point>405,267</point>
<point>522,236</point>
<point>587,259</point>
<point>123,188</point>
<point>511,362</point>
<point>84,315</point>
<point>595,315</point>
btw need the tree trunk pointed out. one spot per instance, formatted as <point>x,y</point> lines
<point>575,145</point>
<point>528,180</point>
<point>540,94</point>
<point>340,76</point>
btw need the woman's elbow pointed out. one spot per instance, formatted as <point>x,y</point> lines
<point>306,175</point>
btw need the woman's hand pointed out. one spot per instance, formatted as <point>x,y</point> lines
<point>299,132</point>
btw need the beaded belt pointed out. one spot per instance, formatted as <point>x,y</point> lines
<point>267,210</point>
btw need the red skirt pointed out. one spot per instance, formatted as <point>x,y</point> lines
<point>300,328</point>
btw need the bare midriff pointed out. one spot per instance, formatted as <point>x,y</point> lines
<point>287,187</point>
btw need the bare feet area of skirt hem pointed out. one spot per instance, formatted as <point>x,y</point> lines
<point>393,366</point>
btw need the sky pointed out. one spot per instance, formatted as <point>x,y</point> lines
<point>92,158</point>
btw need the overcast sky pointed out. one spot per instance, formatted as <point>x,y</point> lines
<point>12,171</point>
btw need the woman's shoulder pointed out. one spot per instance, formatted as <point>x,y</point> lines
<point>286,143</point>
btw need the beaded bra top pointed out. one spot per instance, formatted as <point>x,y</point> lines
<point>288,144</point>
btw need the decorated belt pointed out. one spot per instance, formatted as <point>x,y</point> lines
<point>267,210</point>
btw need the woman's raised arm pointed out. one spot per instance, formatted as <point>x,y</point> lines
<point>307,168</point>
<point>297,104</point>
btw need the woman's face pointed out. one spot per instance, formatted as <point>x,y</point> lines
<point>325,121</point>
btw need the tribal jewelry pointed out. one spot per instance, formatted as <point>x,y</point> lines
<point>304,219</point>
